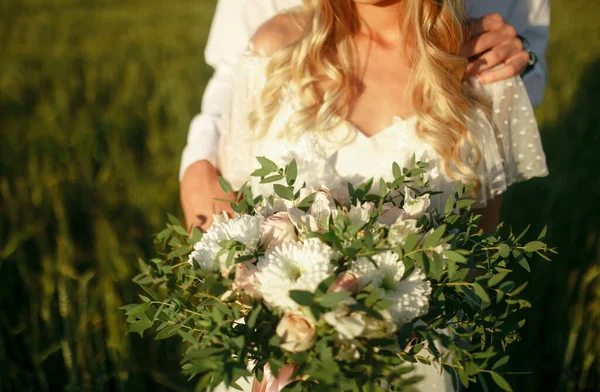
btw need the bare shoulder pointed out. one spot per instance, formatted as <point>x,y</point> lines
<point>278,32</point>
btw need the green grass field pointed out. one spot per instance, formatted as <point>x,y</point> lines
<point>95,101</point>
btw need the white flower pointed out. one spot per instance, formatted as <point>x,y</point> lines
<point>304,223</point>
<point>348,324</point>
<point>323,206</point>
<point>278,229</point>
<point>415,207</point>
<point>246,229</point>
<point>297,332</point>
<point>410,296</point>
<point>376,328</point>
<point>400,231</point>
<point>293,266</point>
<point>390,214</point>
<point>245,279</point>
<point>360,215</point>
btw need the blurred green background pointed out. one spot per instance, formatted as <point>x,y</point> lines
<point>95,102</point>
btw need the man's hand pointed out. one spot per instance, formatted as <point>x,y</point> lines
<point>492,42</point>
<point>198,190</point>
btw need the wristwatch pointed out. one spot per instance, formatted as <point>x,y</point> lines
<point>532,56</point>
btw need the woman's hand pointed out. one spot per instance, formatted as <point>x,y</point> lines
<point>493,42</point>
<point>198,191</point>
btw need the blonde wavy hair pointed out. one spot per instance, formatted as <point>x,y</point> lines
<point>321,67</point>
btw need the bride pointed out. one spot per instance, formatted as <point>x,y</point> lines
<point>348,87</point>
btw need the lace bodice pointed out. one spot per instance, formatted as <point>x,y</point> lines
<point>510,144</point>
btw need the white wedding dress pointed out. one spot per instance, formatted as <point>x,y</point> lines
<point>510,145</point>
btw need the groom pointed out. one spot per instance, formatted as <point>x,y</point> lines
<point>509,32</point>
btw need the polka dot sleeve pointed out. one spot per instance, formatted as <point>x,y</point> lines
<point>511,145</point>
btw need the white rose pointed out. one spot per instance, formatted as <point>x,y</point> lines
<point>297,332</point>
<point>278,229</point>
<point>348,324</point>
<point>303,222</point>
<point>415,207</point>
<point>400,231</point>
<point>360,215</point>
<point>245,279</point>
<point>390,214</point>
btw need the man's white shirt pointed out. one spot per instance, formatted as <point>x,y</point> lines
<point>234,24</point>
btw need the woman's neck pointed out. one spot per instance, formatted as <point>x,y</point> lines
<point>381,21</point>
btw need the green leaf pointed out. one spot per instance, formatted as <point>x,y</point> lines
<point>140,326</point>
<point>481,293</point>
<point>180,230</point>
<point>383,190</point>
<point>174,221</point>
<point>291,173</point>
<point>271,179</point>
<point>501,382</point>
<point>543,233</point>
<point>254,316</point>
<point>267,164</point>
<point>464,203</point>
<point>307,202</point>
<point>449,205</point>
<point>302,298</point>
<point>137,309</point>
<point>331,300</point>
<point>525,264</point>
<point>504,250</point>
<point>411,242</point>
<point>455,256</point>
<point>501,362</point>
<point>432,240</point>
<point>534,246</point>
<point>284,192</point>
<point>167,332</point>
<point>179,252</point>
<point>225,185</point>
<point>499,277</point>
<point>196,235</point>
<point>260,173</point>
<point>396,170</point>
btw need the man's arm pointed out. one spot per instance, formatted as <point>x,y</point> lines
<point>495,40</point>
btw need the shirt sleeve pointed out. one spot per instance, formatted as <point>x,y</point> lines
<point>229,35</point>
<point>532,19</point>
<point>510,144</point>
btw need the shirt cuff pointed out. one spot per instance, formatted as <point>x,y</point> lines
<point>202,143</point>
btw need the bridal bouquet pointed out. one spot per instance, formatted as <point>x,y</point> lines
<point>316,289</point>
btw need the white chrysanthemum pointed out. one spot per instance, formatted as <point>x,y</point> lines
<point>246,229</point>
<point>293,266</point>
<point>400,231</point>
<point>361,214</point>
<point>410,296</point>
